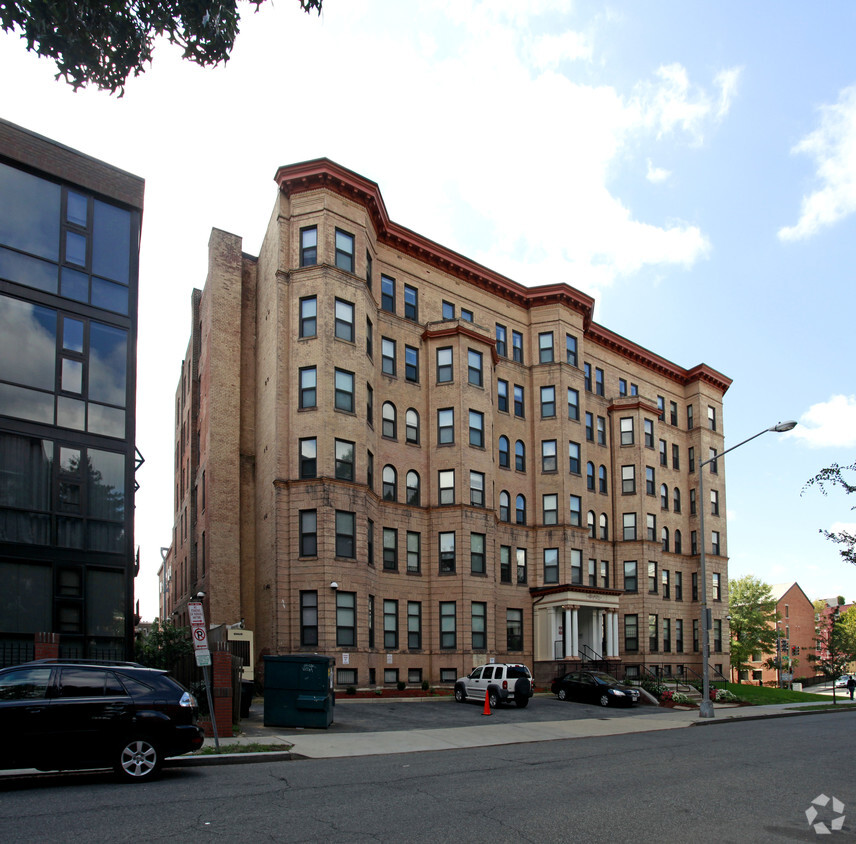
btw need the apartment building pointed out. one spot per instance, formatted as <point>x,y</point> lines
<point>390,454</point>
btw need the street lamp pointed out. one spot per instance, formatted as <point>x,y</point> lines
<point>706,707</point>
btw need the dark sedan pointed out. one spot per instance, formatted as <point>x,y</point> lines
<point>594,687</point>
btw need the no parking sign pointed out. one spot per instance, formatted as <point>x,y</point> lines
<point>198,633</point>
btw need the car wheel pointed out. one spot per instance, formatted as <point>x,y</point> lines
<point>562,694</point>
<point>521,702</point>
<point>460,694</point>
<point>493,698</point>
<point>138,759</point>
<point>604,700</point>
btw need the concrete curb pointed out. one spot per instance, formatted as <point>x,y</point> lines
<point>734,719</point>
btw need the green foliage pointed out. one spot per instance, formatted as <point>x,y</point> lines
<point>760,695</point>
<point>833,477</point>
<point>401,685</point>
<point>163,645</point>
<point>425,685</point>
<point>753,620</point>
<point>836,643</point>
<point>104,43</point>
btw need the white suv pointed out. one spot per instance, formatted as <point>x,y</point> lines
<point>502,682</point>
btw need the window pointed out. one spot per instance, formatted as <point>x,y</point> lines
<point>345,320</point>
<point>604,526</point>
<point>447,486</point>
<point>390,676</point>
<point>368,268</point>
<point>589,427</point>
<point>717,635</point>
<point>711,418</point>
<point>370,470</point>
<point>673,413</point>
<point>414,625</point>
<point>520,509</point>
<point>308,533</point>
<point>629,525</point>
<point>502,395</point>
<point>514,629</point>
<point>414,552</point>
<point>308,458</point>
<point>448,310</point>
<point>501,341</point>
<point>308,387</point>
<point>344,390</point>
<point>390,549</point>
<point>551,565</point>
<point>664,497</point>
<point>477,489</point>
<point>626,429</point>
<point>604,574</point>
<point>444,365</point>
<point>308,618</point>
<point>308,316</point>
<point>664,460</point>
<point>573,403</point>
<point>388,420</point>
<point>587,376</point>
<point>716,586</point>
<point>344,251</point>
<point>576,567</point>
<point>518,401</point>
<point>466,315</point>
<point>545,347</point>
<point>346,619</point>
<point>344,460</point>
<point>601,430</point>
<point>676,456</point>
<point>576,511</point>
<point>445,426</point>
<point>650,480</point>
<point>695,634</point>
<point>574,458</point>
<point>517,346</point>
<point>387,294</point>
<point>664,539</point>
<point>521,565</point>
<point>504,460</point>
<point>413,493</point>
<point>714,502</point>
<point>474,368</point>
<point>448,631</point>
<point>346,534</point>
<point>548,456</point>
<point>631,633</point>
<point>691,457</point>
<point>551,508</point>
<point>390,483</point>
<point>479,625</point>
<point>370,543</point>
<point>661,406</point>
<point>590,476</point>
<point>571,349</point>
<point>649,433</point>
<point>369,338</point>
<point>714,542</point>
<point>679,586</point>
<point>676,500</point>
<point>548,402</point>
<point>520,456</point>
<point>652,577</point>
<point>598,381</point>
<point>690,422</point>
<point>679,636</point>
<point>712,461</point>
<point>387,351</point>
<point>694,579</point>
<point>692,502</point>
<point>653,633</point>
<point>390,626</point>
<point>628,480</point>
<point>476,429</point>
<point>309,246</point>
<point>634,389</point>
<point>411,364</point>
<point>411,303</point>
<point>622,387</point>
<point>370,404</point>
<point>592,572</point>
<point>664,581</point>
<point>504,506</point>
<point>601,479</point>
<point>411,426</point>
<point>650,527</point>
<point>505,564</point>
<point>477,558</point>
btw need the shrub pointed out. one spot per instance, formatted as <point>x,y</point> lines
<point>351,690</point>
<point>425,685</point>
<point>401,685</point>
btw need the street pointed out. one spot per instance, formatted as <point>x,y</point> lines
<point>747,781</point>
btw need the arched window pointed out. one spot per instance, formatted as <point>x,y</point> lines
<point>504,507</point>
<point>664,535</point>
<point>664,496</point>
<point>503,452</point>
<point>676,500</point>
<point>590,523</point>
<point>411,426</point>
<point>677,542</point>
<point>389,423</point>
<point>413,488</point>
<point>590,476</point>
<point>601,475</point>
<point>521,510</point>
<point>520,456</point>
<point>604,526</point>
<point>390,484</point>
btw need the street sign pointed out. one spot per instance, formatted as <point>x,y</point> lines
<point>198,633</point>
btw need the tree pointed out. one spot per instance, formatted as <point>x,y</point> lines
<point>163,645</point>
<point>103,43</point>
<point>752,608</point>
<point>836,644</point>
<point>833,477</point>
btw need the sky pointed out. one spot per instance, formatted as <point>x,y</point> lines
<point>691,165</point>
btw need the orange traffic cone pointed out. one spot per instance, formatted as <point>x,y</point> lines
<point>486,705</point>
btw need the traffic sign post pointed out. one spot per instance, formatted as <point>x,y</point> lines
<point>199,636</point>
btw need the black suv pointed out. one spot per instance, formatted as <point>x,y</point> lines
<point>63,715</point>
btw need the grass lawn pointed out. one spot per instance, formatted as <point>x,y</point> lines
<point>766,694</point>
<point>255,747</point>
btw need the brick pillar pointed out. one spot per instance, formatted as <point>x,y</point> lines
<point>46,646</point>
<point>221,691</point>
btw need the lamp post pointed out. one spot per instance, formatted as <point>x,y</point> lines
<point>706,707</point>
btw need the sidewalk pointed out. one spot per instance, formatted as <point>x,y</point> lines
<point>328,744</point>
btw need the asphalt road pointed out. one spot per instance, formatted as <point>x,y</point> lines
<point>729,782</point>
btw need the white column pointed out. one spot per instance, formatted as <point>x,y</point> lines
<point>615,645</point>
<point>566,635</point>
<point>575,633</point>
<point>609,641</point>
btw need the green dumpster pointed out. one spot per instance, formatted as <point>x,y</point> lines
<point>299,691</point>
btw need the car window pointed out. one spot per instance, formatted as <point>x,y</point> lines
<point>517,672</point>
<point>488,673</point>
<point>587,678</point>
<point>135,686</point>
<point>82,682</point>
<point>476,674</point>
<point>25,684</point>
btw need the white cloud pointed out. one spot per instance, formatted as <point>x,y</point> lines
<point>833,147</point>
<point>656,174</point>
<point>844,527</point>
<point>551,50</point>
<point>828,424</point>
